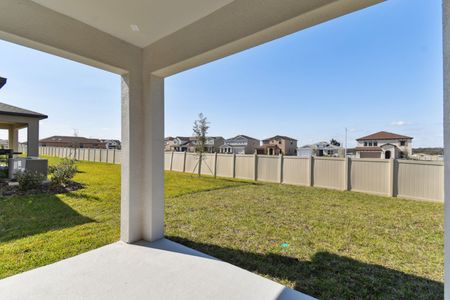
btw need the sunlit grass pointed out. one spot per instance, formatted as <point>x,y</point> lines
<point>329,244</point>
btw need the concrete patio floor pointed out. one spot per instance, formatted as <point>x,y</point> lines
<point>158,270</point>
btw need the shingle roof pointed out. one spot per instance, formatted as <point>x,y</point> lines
<point>6,109</point>
<point>384,135</point>
<point>70,139</point>
<point>280,137</point>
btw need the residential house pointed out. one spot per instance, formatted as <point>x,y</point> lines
<point>320,149</point>
<point>277,145</point>
<point>384,145</point>
<point>240,144</point>
<point>189,144</point>
<point>73,142</point>
<point>169,143</point>
<point>112,144</point>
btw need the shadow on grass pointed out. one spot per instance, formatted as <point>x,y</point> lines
<point>29,215</point>
<point>327,275</point>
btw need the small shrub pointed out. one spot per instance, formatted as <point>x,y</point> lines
<point>63,172</point>
<point>29,180</point>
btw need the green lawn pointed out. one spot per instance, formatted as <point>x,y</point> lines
<point>325,243</point>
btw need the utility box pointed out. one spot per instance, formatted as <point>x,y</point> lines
<point>32,164</point>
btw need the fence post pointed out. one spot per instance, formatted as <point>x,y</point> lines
<point>107,155</point>
<point>184,162</point>
<point>280,168</point>
<point>171,161</point>
<point>255,173</point>
<point>234,165</point>
<point>347,164</point>
<point>114,156</point>
<point>215,164</point>
<point>311,171</point>
<point>392,177</point>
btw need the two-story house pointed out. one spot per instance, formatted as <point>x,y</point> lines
<point>279,144</point>
<point>384,145</point>
<point>240,144</point>
<point>189,144</point>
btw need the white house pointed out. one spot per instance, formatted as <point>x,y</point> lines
<point>320,149</point>
<point>384,145</point>
<point>240,144</point>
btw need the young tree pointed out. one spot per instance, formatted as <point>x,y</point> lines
<point>200,129</point>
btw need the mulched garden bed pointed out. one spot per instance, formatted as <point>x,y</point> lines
<point>8,190</point>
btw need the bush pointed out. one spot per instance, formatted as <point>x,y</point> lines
<point>62,173</point>
<point>29,180</point>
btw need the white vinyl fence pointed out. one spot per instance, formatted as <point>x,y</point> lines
<point>396,178</point>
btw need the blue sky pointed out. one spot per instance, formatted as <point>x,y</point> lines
<point>376,69</point>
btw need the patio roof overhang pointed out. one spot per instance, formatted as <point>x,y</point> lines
<point>146,41</point>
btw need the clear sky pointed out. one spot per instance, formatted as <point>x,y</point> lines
<point>376,69</point>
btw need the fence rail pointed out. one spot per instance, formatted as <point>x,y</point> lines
<point>396,178</point>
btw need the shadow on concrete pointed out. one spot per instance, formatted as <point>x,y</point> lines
<point>327,275</point>
<point>29,215</point>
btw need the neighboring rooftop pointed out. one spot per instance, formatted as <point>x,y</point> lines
<point>69,139</point>
<point>384,135</point>
<point>279,137</point>
<point>6,109</point>
<point>243,136</point>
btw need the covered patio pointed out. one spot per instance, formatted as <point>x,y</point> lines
<point>144,42</point>
<point>13,119</point>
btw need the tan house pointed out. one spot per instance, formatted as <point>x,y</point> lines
<point>384,145</point>
<point>277,145</point>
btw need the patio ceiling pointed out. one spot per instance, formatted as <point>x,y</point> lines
<point>138,22</point>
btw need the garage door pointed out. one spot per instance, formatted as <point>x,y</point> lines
<point>373,154</point>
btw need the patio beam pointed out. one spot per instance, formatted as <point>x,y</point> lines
<point>29,24</point>
<point>238,26</point>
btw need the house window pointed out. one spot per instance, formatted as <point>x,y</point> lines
<point>365,144</point>
<point>402,143</point>
<point>375,144</point>
<point>370,144</point>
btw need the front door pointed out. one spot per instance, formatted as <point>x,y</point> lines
<point>387,154</point>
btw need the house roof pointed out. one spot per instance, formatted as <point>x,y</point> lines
<point>279,137</point>
<point>384,135</point>
<point>244,136</point>
<point>6,109</point>
<point>2,82</point>
<point>69,139</point>
<point>368,149</point>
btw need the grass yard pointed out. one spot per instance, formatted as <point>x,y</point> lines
<point>325,243</point>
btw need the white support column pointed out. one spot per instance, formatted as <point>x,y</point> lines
<point>153,179</point>
<point>13,138</point>
<point>446,46</point>
<point>33,139</point>
<point>131,178</point>
<point>142,207</point>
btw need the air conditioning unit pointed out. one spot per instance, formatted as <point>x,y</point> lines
<point>22,164</point>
